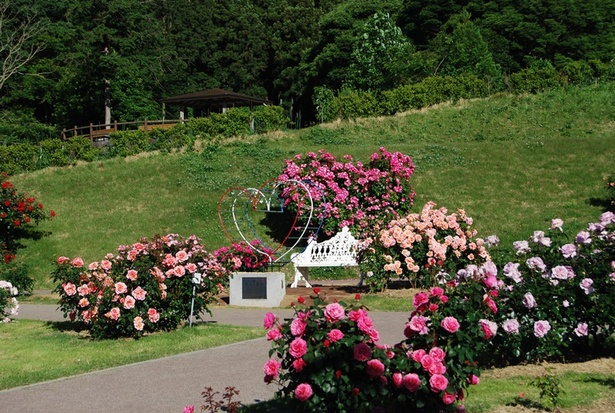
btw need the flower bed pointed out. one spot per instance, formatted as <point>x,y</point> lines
<point>9,306</point>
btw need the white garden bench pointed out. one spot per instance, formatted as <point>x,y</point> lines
<point>339,251</point>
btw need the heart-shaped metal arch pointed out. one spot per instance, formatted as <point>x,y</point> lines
<point>240,202</point>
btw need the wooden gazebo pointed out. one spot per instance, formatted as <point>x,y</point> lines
<point>214,100</point>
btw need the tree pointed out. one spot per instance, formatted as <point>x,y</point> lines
<point>17,30</point>
<point>460,49</point>
<point>377,54</point>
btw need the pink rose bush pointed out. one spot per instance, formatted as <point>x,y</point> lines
<point>425,248</point>
<point>359,196</point>
<point>242,257</point>
<point>145,287</point>
<point>558,293</point>
<point>337,364</point>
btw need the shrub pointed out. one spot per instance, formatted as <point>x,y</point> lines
<point>17,274</point>
<point>21,157</point>
<point>242,257</point>
<point>146,287</point>
<point>424,248</point>
<point>8,301</point>
<point>559,293</point>
<point>128,143</point>
<point>269,118</point>
<point>327,358</point>
<point>18,212</point>
<point>177,137</point>
<point>353,104</point>
<point>361,197</point>
<point>540,76</point>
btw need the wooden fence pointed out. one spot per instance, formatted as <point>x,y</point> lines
<point>101,132</point>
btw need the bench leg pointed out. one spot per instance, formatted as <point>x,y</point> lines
<point>301,274</point>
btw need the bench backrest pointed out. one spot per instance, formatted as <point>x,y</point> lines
<point>341,249</point>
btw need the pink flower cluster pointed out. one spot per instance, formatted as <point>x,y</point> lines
<point>361,197</point>
<point>426,243</point>
<point>132,289</point>
<point>242,257</point>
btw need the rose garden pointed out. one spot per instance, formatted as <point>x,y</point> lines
<point>477,304</point>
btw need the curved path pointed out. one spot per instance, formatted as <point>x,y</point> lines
<point>166,385</point>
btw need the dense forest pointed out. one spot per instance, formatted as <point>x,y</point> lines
<point>63,59</point>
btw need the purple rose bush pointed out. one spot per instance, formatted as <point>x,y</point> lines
<point>559,292</point>
<point>348,193</point>
<point>146,287</point>
<point>424,248</point>
<point>328,357</point>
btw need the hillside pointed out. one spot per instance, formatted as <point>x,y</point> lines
<point>513,163</point>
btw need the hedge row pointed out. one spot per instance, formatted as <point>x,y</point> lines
<point>22,157</point>
<point>540,76</point>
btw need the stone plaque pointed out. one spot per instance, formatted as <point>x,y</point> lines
<point>254,288</point>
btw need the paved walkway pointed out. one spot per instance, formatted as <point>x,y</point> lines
<point>166,385</point>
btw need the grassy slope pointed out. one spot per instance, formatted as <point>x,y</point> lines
<point>512,163</point>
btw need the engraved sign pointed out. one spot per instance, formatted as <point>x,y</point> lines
<point>254,288</point>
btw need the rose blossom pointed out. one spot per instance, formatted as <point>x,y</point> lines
<point>334,312</point>
<point>374,368</point>
<point>450,324</point>
<point>541,328</point>
<point>299,364</point>
<point>335,335</point>
<point>529,301</point>
<point>120,288</point>
<point>583,237</point>
<point>303,392</point>
<point>129,303</point>
<point>84,302</point>
<point>587,285</point>
<point>139,293</point>
<point>511,326</point>
<point>138,323</point>
<point>568,250</point>
<point>131,275</point>
<point>557,223</point>
<point>521,247</point>
<point>417,355</point>
<point>473,379</point>
<point>449,398</point>
<point>105,265</point>
<point>272,368</point>
<point>297,327</point>
<point>539,238</point>
<point>581,330</point>
<point>77,262</point>
<point>438,383</point>
<point>153,315</point>
<point>298,347</point>
<point>491,304</point>
<point>69,289</point>
<point>397,379</point>
<point>412,382</point>
<point>362,352</point>
<point>511,270</point>
<point>420,299</point>
<point>418,324</point>
<point>536,264</point>
<point>489,328</point>
<point>269,320</point>
<point>188,409</point>
<point>113,314</point>
<point>274,334</point>
<point>437,353</point>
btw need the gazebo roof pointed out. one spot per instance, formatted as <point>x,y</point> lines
<point>214,99</point>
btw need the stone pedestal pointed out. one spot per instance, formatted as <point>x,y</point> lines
<point>257,289</point>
